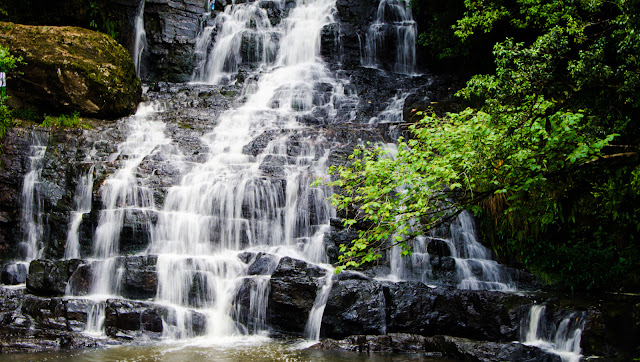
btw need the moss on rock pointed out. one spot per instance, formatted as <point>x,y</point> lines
<point>71,69</point>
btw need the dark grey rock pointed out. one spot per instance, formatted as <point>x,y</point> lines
<point>49,277</point>
<point>438,347</point>
<point>293,289</point>
<point>355,306</point>
<point>15,273</point>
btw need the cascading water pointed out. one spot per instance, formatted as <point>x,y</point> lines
<point>140,41</point>
<point>32,207</point>
<point>475,265</point>
<point>238,199</point>
<point>393,26</point>
<point>562,339</point>
<point>82,206</point>
<point>244,35</point>
<point>123,195</point>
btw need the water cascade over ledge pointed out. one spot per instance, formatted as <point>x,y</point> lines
<point>194,221</point>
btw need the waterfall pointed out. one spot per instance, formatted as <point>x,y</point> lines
<point>123,195</point>
<point>32,203</point>
<point>140,41</point>
<point>475,265</point>
<point>562,339</point>
<point>244,35</point>
<point>240,198</point>
<point>312,329</point>
<point>394,25</point>
<point>82,206</point>
<point>393,113</point>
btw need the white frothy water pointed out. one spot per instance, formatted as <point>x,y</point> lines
<point>476,268</point>
<point>32,203</point>
<point>123,195</point>
<point>312,329</point>
<point>246,195</point>
<point>82,206</point>
<point>562,339</point>
<point>140,41</point>
<point>394,23</point>
<point>244,33</point>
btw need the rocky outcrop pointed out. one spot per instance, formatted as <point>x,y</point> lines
<point>357,305</point>
<point>293,289</point>
<point>49,277</point>
<point>172,28</point>
<point>438,347</point>
<point>70,69</point>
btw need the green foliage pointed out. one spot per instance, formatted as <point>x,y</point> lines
<point>7,62</point>
<point>101,18</point>
<point>28,113</point>
<point>64,121</point>
<point>6,118</point>
<point>547,155</point>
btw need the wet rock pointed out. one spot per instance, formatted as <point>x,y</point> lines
<point>70,69</point>
<point>15,273</point>
<point>140,279</point>
<point>355,306</point>
<point>438,347</point>
<point>136,231</point>
<point>438,247</point>
<point>49,277</point>
<point>77,311</point>
<point>259,263</point>
<point>172,28</point>
<point>293,289</point>
<point>444,269</point>
<point>412,307</point>
<point>80,280</point>
<point>122,316</point>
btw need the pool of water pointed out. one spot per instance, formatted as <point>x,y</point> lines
<point>255,349</point>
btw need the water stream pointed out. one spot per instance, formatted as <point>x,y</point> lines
<point>82,206</point>
<point>560,336</point>
<point>394,24</point>
<point>140,38</point>
<point>32,204</point>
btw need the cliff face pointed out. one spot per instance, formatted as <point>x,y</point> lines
<point>70,69</point>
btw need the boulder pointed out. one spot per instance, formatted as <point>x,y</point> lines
<point>259,263</point>
<point>14,273</point>
<point>412,307</point>
<point>122,315</point>
<point>355,306</point>
<point>49,277</point>
<point>438,247</point>
<point>293,289</point>
<point>70,69</point>
<point>140,280</point>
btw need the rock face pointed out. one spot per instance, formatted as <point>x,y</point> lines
<point>438,347</point>
<point>47,277</point>
<point>374,307</point>
<point>294,286</point>
<point>70,69</point>
<point>172,27</point>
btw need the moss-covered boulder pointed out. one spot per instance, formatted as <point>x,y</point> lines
<point>70,69</point>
